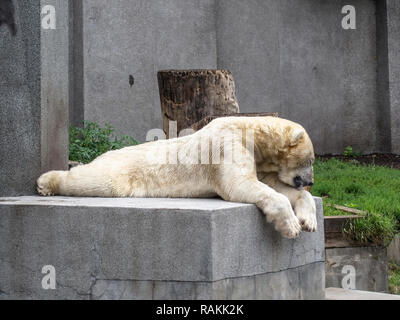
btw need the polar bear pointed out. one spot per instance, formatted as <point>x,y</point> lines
<point>265,161</point>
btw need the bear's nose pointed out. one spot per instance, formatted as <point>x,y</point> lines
<point>297,181</point>
<point>310,184</point>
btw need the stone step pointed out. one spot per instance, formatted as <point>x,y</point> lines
<point>345,294</point>
<point>153,249</point>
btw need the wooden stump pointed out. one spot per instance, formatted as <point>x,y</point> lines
<point>187,96</point>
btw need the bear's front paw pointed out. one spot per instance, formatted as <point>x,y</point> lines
<point>306,212</point>
<point>280,213</point>
<point>308,222</point>
<point>289,227</point>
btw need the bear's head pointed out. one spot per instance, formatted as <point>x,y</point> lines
<point>296,159</point>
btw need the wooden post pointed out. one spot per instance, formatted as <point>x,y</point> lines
<point>187,96</point>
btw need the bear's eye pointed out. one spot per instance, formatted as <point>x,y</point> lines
<point>307,163</point>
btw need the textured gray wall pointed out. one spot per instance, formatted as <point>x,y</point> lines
<point>383,136</point>
<point>20,158</point>
<point>34,98</point>
<point>370,267</point>
<point>55,93</point>
<point>293,57</point>
<point>393,250</point>
<point>76,112</point>
<point>289,56</point>
<point>138,38</point>
<point>393,36</point>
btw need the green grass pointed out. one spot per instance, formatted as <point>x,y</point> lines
<point>87,143</point>
<point>394,278</point>
<point>370,188</point>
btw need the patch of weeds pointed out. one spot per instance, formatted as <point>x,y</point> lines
<point>89,142</point>
<point>371,188</point>
<point>394,278</point>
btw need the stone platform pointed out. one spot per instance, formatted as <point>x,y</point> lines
<point>345,294</point>
<point>153,249</point>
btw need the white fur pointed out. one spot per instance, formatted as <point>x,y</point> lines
<point>282,149</point>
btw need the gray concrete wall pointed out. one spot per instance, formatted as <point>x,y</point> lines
<point>34,91</point>
<point>393,250</point>
<point>369,263</point>
<point>55,89</point>
<point>138,38</point>
<point>383,137</point>
<point>393,36</point>
<point>20,154</point>
<point>76,84</point>
<point>288,56</point>
<point>293,57</point>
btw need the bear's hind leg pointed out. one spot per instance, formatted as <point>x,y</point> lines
<point>81,181</point>
<point>48,183</point>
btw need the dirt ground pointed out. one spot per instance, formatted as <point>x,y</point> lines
<point>380,159</point>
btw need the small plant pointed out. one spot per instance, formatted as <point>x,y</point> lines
<point>87,143</point>
<point>349,152</point>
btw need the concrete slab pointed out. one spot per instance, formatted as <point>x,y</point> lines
<point>344,294</point>
<point>271,286</point>
<point>137,203</point>
<point>153,248</point>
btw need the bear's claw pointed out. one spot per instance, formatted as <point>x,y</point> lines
<point>308,224</point>
<point>289,228</point>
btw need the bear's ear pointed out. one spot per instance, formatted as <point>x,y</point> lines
<point>296,136</point>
